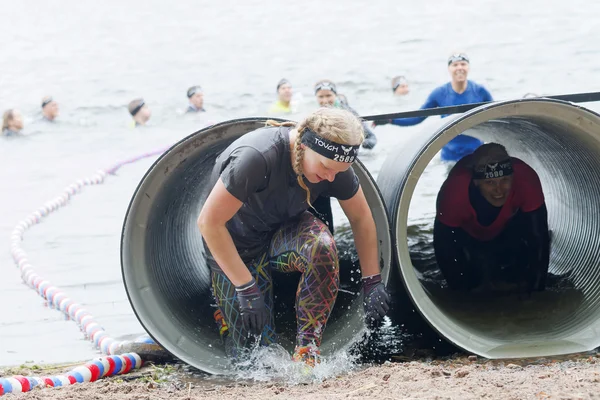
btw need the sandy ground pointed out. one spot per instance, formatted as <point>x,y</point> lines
<point>455,378</point>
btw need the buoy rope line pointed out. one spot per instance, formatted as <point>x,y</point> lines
<point>113,363</point>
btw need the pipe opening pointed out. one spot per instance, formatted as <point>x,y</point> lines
<point>164,263</point>
<point>561,142</point>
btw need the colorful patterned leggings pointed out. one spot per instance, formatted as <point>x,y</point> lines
<point>306,246</point>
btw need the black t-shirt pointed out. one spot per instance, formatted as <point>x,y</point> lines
<point>257,170</point>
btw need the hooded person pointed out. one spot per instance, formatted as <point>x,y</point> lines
<point>491,225</point>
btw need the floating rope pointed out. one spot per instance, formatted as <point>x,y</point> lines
<point>114,363</point>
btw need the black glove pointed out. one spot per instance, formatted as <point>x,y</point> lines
<point>252,304</point>
<point>376,298</point>
<point>378,122</point>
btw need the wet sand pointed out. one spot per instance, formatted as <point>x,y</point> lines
<point>575,377</point>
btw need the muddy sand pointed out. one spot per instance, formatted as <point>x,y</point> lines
<point>459,377</point>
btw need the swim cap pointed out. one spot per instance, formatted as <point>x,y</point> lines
<point>47,100</point>
<point>399,80</point>
<point>282,82</point>
<point>457,57</point>
<point>325,85</point>
<point>135,106</point>
<point>193,90</point>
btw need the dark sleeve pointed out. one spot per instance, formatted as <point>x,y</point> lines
<point>344,186</point>
<point>538,245</point>
<point>431,102</point>
<point>449,244</point>
<point>245,172</point>
<point>370,138</point>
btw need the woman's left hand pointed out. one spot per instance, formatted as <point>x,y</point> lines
<point>376,298</point>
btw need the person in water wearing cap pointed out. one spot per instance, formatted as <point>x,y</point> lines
<point>256,220</point>
<point>327,96</point>
<point>49,109</point>
<point>458,91</point>
<point>196,97</point>
<point>400,86</point>
<point>491,225</point>
<point>139,111</point>
<point>284,98</point>
<point>12,123</point>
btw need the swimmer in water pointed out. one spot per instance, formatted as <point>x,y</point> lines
<point>196,98</point>
<point>491,225</point>
<point>458,91</point>
<point>12,123</point>
<point>49,109</point>
<point>139,111</point>
<point>400,86</point>
<point>256,220</point>
<point>327,96</point>
<point>284,98</point>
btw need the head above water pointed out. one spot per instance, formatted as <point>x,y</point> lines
<point>458,67</point>
<point>284,90</point>
<point>400,85</point>
<point>324,144</point>
<point>196,96</point>
<point>12,120</point>
<point>139,111</point>
<point>492,172</point>
<point>49,108</point>
<point>326,92</point>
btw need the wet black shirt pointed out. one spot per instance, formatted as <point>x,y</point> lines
<point>257,170</point>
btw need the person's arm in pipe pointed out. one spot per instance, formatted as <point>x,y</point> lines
<point>449,246</point>
<point>220,207</point>
<point>538,240</point>
<point>376,299</point>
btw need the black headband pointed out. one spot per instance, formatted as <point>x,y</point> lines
<point>282,82</point>
<point>193,90</point>
<point>332,150</point>
<point>47,101</point>
<point>457,57</point>
<point>494,170</point>
<point>326,86</point>
<point>137,108</point>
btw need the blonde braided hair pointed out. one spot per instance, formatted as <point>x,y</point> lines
<point>335,124</point>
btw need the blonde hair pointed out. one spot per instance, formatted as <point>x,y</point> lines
<point>335,124</point>
<point>488,153</point>
<point>7,117</point>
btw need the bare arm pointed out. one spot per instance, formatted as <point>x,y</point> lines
<point>365,234</point>
<point>220,207</point>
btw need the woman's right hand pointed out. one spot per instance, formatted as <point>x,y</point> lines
<point>253,309</point>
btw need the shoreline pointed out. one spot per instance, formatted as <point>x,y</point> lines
<point>457,377</point>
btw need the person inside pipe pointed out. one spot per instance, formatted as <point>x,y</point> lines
<point>256,220</point>
<point>491,225</point>
<point>327,96</point>
<point>458,91</point>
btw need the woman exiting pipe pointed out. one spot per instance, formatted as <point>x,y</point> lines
<point>256,220</point>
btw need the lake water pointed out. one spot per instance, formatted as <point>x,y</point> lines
<point>96,57</point>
